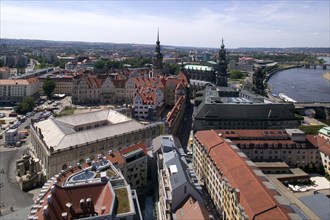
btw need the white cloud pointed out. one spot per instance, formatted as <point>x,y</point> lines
<point>241,24</point>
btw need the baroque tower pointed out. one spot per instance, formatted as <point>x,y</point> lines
<point>221,73</point>
<point>157,59</point>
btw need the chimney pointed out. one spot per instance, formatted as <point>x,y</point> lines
<point>49,199</point>
<point>238,193</point>
<point>69,206</point>
<point>65,215</point>
<point>104,177</point>
<point>52,189</point>
<point>89,203</point>
<point>45,210</point>
<point>82,204</point>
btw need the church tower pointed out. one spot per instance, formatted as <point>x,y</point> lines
<point>157,59</point>
<point>221,73</point>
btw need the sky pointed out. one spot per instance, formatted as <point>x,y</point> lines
<point>242,23</point>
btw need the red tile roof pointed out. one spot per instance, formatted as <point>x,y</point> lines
<point>100,194</point>
<point>94,82</point>
<point>320,142</point>
<point>183,78</point>
<point>240,133</point>
<point>141,145</point>
<point>18,81</point>
<point>192,209</point>
<point>116,157</point>
<point>148,95</point>
<point>256,199</point>
<point>172,115</point>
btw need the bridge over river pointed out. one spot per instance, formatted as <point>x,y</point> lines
<point>308,65</point>
<point>321,110</point>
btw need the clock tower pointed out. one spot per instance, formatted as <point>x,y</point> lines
<point>157,59</point>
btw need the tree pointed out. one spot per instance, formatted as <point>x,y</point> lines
<point>26,105</point>
<point>48,87</point>
<point>99,64</point>
<point>62,64</point>
<point>112,64</point>
<point>235,74</point>
<point>172,68</point>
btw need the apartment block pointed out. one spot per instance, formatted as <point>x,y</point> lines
<point>291,146</point>
<point>132,162</point>
<point>14,90</point>
<point>177,184</point>
<point>323,146</point>
<point>63,84</point>
<point>236,186</point>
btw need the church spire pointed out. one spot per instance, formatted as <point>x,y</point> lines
<point>157,48</point>
<point>157,59</point>
<point>221,74</point>
<point>158,42</point>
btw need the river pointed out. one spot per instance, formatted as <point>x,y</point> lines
<point>302,85</point>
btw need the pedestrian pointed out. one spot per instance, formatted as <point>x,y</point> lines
<point>11,208</point>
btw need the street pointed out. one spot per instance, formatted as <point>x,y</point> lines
<point>10,192</point>
<point>186,126</point>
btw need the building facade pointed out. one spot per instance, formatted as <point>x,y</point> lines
<point>132,162</point>
<point>14,90</point>
<point>65,141</point>
<point>176,181</point>
<point>284,145</point>
<point>238,189</point>
<point>216,112</point>
<point>63,84</point>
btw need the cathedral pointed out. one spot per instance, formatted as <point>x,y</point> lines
<point>213,73</point>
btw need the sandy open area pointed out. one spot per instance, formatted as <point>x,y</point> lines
<point>326,76</point>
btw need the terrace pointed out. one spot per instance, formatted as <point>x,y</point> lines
<point>123,204</point>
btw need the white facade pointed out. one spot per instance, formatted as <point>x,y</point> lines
<point>325,161</point>
<point>144,103</point>
<point>13,89</point>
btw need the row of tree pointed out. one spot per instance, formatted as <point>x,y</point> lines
<point>28,103</point>
<point>169,68</point>
<point>110,64</point>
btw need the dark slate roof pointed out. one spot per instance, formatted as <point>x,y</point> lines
<point>319,204</point>
<point>178,178</point>
<point>244,111</point>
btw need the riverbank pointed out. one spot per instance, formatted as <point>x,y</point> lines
<point>269,75</point>
<point>326,75</point>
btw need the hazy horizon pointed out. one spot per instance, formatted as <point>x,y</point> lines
<point>242,24</point>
